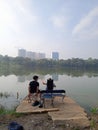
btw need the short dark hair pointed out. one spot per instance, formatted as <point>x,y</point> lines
<point>35,77</point>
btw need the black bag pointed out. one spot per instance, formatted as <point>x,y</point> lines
<point>15,126</point>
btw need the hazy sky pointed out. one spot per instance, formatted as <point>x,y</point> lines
<point>67,26</point>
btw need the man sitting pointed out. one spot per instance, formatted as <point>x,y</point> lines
<point>50,84</point>
<point>34,90</point>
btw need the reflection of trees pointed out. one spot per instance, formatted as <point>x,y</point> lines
<point>52,71</point>
<point>22,78</point>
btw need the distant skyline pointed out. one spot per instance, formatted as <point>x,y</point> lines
<point>69,27</point>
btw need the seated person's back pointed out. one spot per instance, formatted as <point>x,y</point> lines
<point>50,84</point>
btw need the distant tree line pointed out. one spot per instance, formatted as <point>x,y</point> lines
<point>6,61</point>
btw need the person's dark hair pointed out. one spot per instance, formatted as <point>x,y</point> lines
<point>49,79</point>
<point>35,77</point>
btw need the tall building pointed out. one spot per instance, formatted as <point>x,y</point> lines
<point>55,55</point>
<point>31,55</point>
<point>22,53</point>
<point>41,55</point>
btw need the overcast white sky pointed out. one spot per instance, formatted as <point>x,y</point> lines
<point>67,26</point>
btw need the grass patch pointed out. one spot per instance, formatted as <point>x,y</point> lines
<point>92,123</point>
<point>12,112</point>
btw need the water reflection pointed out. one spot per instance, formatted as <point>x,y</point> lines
<point>74,72</point>
<point>21,78</point>
<point>29,77</point>
<point>81,85</point>
<point>8,100</point>
<point>4,94</point>
<point>55,77</point>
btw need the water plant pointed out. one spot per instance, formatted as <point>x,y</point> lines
<point>2,110</point>
<point>94,110</point>
<point>6,95</point>
<point>1,94</point>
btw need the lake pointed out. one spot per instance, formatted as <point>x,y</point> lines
<point>80,85</point>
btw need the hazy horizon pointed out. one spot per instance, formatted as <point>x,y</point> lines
<point>69,27</point>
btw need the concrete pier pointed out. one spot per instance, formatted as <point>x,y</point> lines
<point>70,114</point>
<point>67,112</point>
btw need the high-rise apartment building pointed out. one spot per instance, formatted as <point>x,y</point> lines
<point>55,55</point>
<point>22,53</point>
<point>30,54</point>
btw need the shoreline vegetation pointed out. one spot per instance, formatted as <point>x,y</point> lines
<point>77,63</point>
<point>75,66</point>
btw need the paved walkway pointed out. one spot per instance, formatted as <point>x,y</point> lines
<point>67,112</point>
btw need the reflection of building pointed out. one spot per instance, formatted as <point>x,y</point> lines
<point>55,77</point>
<point>29,77</point>
<point>55,55</point>
<point>21,78</point>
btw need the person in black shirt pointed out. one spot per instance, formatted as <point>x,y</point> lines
<point>34,85</point>
<point>34,89</point>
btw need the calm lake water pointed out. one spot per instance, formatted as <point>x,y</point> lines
<point>82,86</point>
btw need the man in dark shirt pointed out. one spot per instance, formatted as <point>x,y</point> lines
<point>34,85</point>
<point>34,89</point>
